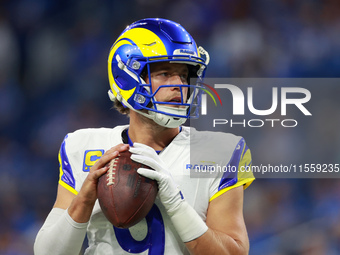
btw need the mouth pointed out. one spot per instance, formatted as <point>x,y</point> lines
<point>175,100</point>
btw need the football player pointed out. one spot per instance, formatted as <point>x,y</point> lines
<point>151,67</point>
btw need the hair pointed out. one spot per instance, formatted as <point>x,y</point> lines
<point>120,107</point>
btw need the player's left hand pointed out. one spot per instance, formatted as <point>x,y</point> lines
<point>168,191</point>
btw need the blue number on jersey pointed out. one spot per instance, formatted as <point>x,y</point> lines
<point>154,240</point>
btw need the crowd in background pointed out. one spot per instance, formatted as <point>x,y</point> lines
<point>53,80</point>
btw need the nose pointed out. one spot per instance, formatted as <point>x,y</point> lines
<point>177,88</point>
<point>175,80</point>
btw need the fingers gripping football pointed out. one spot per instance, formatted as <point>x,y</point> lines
<point>153,175</point>
<point>148,156</point>
<point>168,191</point>
<point>89,188</point>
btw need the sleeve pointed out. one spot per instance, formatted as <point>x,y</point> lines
<point>236,173</point>
<point>66,174</point>
<point>60,234</point>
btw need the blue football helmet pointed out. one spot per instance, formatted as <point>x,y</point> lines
<point>150,41</point>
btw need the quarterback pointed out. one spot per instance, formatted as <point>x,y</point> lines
<point>151,67</point>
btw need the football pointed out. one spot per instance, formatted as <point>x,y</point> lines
<point>125,197</point>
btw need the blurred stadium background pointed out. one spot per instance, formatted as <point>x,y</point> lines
<point>53,80</point>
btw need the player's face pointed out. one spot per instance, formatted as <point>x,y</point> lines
<point>165,73</point>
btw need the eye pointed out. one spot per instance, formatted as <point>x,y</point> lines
<point>163,74</point>
<point>184,77</point>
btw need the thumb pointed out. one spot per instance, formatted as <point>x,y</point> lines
<point>151,174</point>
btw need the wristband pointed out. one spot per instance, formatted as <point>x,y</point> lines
<point>187,222</point>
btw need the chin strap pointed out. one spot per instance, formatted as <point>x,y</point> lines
<point>166,120</point>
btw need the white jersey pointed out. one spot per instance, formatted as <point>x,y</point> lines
<point>202,173</point>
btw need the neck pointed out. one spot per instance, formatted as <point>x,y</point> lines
<point>146,131</point>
